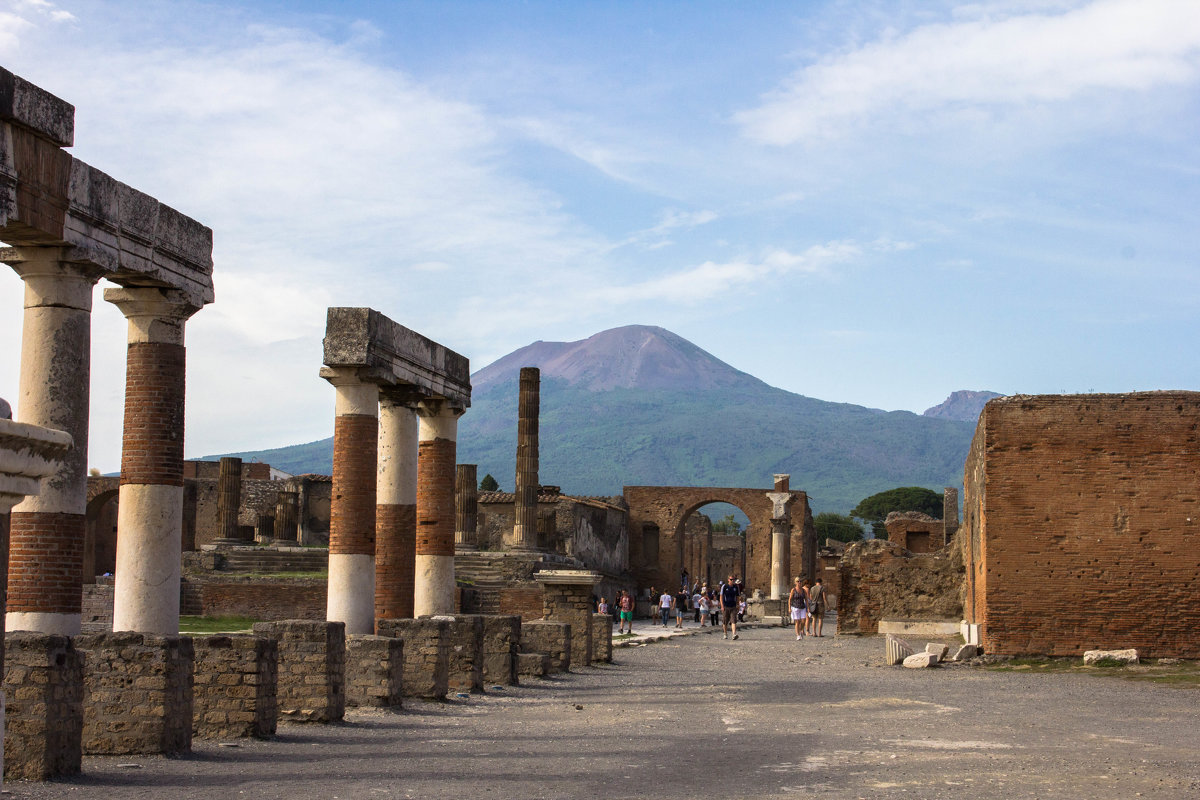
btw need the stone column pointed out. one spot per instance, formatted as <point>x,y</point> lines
<point>781,500</point>
<point>528,403</point>
<point>47,531</point>
<point>396,509</point>
<point>433,590</point>
<point>150,503</point>
<point>229,500</point>
<point>466,506</point>
<point>352,513</point>
<point>287,509</point>
<point>264,529</point>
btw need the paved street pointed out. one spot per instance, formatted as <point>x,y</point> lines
<point>695,716</point>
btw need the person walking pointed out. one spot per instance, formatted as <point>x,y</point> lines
<point>681,601</point>
<point>625,609</point>
<point>730,594</point>
<point>816,608</point>
<point>665,601</point>
<point>696,604</point>
<point>653,606</point>
<point>798,603</point>
<point>702,608</point>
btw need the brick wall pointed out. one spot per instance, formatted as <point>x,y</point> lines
<point>312,668</point>
<point>1083,515</point>
<point>426,654</point>
<point>43,687</point>
<point>914,531</point>
<point>38,581</point>
<point>234,687</point>
<point>352,517</point>
<point>881,580</point>
<point>265,598</point>
<point>374,671</point>
<point>523,601</point>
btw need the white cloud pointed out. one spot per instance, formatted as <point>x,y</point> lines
<point>973,69</point>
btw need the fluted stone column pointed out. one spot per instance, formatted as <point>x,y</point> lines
<point>47,531</point>
<point>264,529</point>
<point>287,509</point>
<point>150,503</point>
<point>396,509</point>
<point>229,500</point>
<point>433,591</point>
<point>352,515</point>
<point>781,500</point>
<point>466,506</point>
<point>528,407</point>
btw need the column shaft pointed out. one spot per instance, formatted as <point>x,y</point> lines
<point>466,506</point>
<point>779,558</point>
<point>396,511</point>
<point>229,500</point>
<point>287,509</point>
<point>433,592</point>
<point>526,488</point>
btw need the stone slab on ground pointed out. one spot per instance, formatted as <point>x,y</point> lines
<point>1129,656</point>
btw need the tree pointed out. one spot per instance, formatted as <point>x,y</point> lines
<point>727,525</point>
<point>875,508</point>
<point>489,484</point>
<point>837,526</point>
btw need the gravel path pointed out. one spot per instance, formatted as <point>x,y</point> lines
<point>763,717</point>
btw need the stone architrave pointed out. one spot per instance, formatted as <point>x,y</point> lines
<point>433,588</point>
<point>150,510</point>
<point>466,506</point>
<point>781,501</point>
<point>567,597</point>
<point>526,487</point>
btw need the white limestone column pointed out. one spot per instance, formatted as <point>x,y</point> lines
<point>433,590</point>
<point>396,509</point>
<point>779,559</point>
<point>352,515</point>
<point>150,503</point>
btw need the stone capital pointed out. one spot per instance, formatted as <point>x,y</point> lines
<point>355,394</point>
<point>53,276</point>
<point>154,314</point>
<point>780,502</point>
<point>28,453</point>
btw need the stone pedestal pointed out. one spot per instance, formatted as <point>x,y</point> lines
<point>43,685</point>
<point>426,654</point>
<point>551,640</point>
<point>433,590</point>
<point>602,648</point>
<point>234,691</point>
<point>465,667</point>
<point>567,597</point>
<point>374,671</point>
<point>501,641</point>
<point>312,668</point>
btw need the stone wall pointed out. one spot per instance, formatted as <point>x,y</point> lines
<point>914,531</point>
<point>572,604</point>
<point>374,671</point>
<point>137,693</point>
<point>1081,524</point>
<point>501,642</point>
<point>522,601</point>
<point>264,598</point>
<point>234,686</point>
<point>602,632</point>
<point>594,532</point>
<point>552,639</point>
<point>465,654</point>
<point>881,580</point>
<point>426,654</point>
<point>43,686</point>
<point>312,668</point>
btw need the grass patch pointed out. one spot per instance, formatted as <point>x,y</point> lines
<point>1184,674</point>
<point>230,624</point>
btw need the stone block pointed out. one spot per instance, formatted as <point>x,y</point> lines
<point>920,660</point>
<point>551,638</point>
<point>465,653</point>
<point>36,110</point>
<point>43,682</point>
<point>938,649</point>
<point>965,651</point>
<point>602,637</point>
<point>533,664</point>
<point>137,693</point>
<point>1124,656</point>
<point>374,671</point>
<point>501,641</point>
<point>426,653</point>
<point>312,668</point>
<point>235,686</point>
<point>896,650</point>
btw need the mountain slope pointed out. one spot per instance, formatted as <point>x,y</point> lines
<point>964,405</point>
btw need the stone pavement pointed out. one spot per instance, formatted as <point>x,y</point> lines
<point>764,717</point>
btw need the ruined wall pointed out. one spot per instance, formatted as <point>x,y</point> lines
<point>727,557</point>
<point>881,580</point>
<point>264,598</point>
<point>914,531</point>
<point>1083,514</point>
<point>595,532</point>
<point>234,686</point>
<point>43,687</point>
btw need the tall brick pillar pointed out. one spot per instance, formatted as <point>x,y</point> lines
<point>229,500</point>
<point>433,590</point>
<point>396,509</point>
<point>352,514</point>
<point>287,511</point>
<point>466,506</point>
<point>528,406</point>
<point>781,534</point>
<point>150,503</point>
<point>47,531</point>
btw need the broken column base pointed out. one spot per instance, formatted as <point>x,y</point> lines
<point>501,641</point>
<point>312,668</point>
<point>602,637</point>
<point>533,665</point>
<point>426,654</point>
<point>374,671</point>
<point>43,684</point>
<point>235,686</point>
<point>465,653</point>
<point>137,693</point>
<point>552,639</point>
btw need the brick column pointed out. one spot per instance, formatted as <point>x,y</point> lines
<point>150,510</point>
<point>352,512</point>
<point>528,403</point>
<point>47,531</point>
<point>466,506</point>
<point>396,509</point>
<point>287,508</point>
<point>433,590</point>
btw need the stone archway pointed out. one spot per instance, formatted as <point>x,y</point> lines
<point>667,508</point>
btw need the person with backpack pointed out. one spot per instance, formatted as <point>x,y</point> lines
<point>816,608</point>
<point>798,603</point>
<point>730,594</point>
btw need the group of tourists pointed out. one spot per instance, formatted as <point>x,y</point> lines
<point>807,603</point>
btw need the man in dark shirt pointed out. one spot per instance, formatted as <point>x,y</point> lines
<point>730,593</point>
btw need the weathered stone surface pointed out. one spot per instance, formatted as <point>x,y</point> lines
<point>602,635</point>
<point>1129,656</point>
<point>881,580</point>
<point>938,649</point>
<point>43,686</point>
<point>426,654</point>
<point>920,660</point>
<point>465,653</point>
<point>896,650</point>
<point>235,686</point>
<point>965,651</point>
<point>312,668</point>
<point>374,671</point>
<point>552,639</point>
<point>535,665</point>
<point>501,641</point>
<point>36,110</point>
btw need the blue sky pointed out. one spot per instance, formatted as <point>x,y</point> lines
<point>875,203</point>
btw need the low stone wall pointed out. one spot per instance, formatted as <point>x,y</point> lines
<point>501,641</point>
<point>312,668</point>
<point>465,668</point>
<point>374,671</point>
<point>235,685</point>
<point>43,685</point>
<point>572,603</point>
<point>552,639</point>
<point>265,598</point>
<point>881,580</point>
<point>137,693</point>
<point>533,665</point>
<point>602,634</point>
<point>426,653</point>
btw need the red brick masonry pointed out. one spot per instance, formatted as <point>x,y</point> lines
<point>352,513</point>
<point>152,447</point>
<point>435,497</point>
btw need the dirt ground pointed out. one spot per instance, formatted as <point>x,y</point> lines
<point>763,717</point>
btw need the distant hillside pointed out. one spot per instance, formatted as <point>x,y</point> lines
<point>640,405</point>
<point>964,405</point>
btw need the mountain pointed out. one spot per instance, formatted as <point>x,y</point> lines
<point>641,405</point>
<point>964,405</point>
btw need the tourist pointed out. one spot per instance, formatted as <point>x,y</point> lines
<point>653,606</point>
<point>742,609</point>
<point>696,604</point>
<point>680,605</point>
<point>625,604</point>
<point>798,603</point>
<point>602,606</point>
<point>816,608</point>
<point>666,601</point>
<point>730,594</point>
<point>702,608</point>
